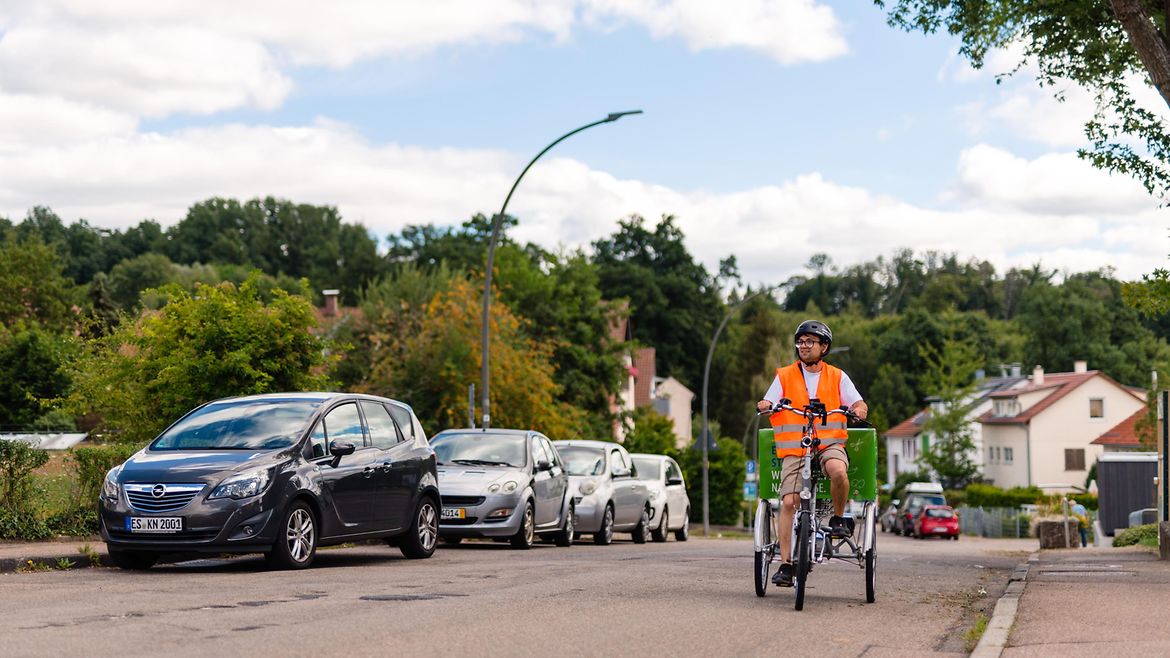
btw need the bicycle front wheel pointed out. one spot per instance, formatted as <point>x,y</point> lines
<point>871,558</point>
<point>803,551</point>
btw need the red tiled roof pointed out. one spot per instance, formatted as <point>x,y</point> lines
<point>1063,383</point>
<point>644,362</point>
<point>1123,434</point>
<point>910,427</point>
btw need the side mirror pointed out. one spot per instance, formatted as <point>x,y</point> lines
<point>674,482</point>
<point>543,465</point>
<point>619,472</point>
<point>339,450</point>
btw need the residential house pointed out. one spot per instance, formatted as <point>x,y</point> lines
<point>642,387</point>
<point>1123,436</point>
<point>1042,433</point>
<point>907,440</point>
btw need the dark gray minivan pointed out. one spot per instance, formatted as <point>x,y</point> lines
<point>280,474</point>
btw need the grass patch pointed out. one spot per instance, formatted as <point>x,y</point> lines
<point>973,634</point>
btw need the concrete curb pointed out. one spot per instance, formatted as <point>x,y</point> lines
<point>79,560</point>
<point>995,636</point>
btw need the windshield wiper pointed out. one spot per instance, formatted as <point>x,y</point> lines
<point>479,462</point>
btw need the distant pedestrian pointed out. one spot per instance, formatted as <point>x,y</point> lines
<point>1082,515</point>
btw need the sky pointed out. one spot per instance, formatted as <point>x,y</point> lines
<point>772,130</point>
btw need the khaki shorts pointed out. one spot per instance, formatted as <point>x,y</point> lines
<point>790,470</point>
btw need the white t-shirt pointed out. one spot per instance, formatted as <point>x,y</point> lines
<point>849,394</point>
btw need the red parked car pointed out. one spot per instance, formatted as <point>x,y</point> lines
<point>937,521</point>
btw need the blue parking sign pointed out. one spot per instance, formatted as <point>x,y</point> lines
<point>751,466</point>
<point>749,490</point>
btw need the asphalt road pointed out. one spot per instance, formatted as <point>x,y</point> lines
<point>485,599</point>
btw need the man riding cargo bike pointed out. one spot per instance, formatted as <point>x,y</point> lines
<point>809,403</point>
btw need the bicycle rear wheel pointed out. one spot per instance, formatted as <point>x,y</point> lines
<point>871,557</point>
<point>765,546</point>
<point>803,551</point>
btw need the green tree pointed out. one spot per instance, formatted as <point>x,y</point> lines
<point>1102,46</point>
<point>221,341</point>
<point>33,288</point>
<point>33,373</point>
<point>429,355</point>
<point>949,379</point>
<point>651,433</point>
<point>674,303</point>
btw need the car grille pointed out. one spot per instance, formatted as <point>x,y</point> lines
<point>462,501</point>
<point>160,498</point>
<point>468,521</point>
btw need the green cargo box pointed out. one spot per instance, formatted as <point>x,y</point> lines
<point>862,449</point>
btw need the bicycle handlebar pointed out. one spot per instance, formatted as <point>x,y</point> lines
<point>811,411</point>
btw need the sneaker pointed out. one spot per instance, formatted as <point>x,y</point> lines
<point>840,527</point>
<point>783,577</point>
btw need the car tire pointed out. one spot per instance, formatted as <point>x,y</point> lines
<point>955,537</point>
<point>641,532</point>
<point>564,537</point>
<point>133,560</point>
<point>662,532</point>
<point>525,537</point>
<point>296,539</point>
<point>684,533</point>
<point>420,540</point>
<point>604,536</point>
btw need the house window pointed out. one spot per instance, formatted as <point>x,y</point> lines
<point>990,455</point>
<point>1096,408</point>
<point>1007,455</point>
<point>908,449</point>
<point>1074,459</point>
<point>1006,408</point>
<point>998,453</point>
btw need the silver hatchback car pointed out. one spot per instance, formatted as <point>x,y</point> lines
<point>670,509</point>
<point>503,484</point>
<point>607,493</point>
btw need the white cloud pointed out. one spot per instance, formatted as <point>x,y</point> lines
<point>790,32</point>
<point>1005,209</point>
<point>185,56</point>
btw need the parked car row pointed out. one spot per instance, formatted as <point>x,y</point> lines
<point>284,474</point>
<point>923,512</point>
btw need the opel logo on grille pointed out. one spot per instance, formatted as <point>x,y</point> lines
<point>159,490</point>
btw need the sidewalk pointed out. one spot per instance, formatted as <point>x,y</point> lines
<point>17,555</point>
<point>1092,602</point>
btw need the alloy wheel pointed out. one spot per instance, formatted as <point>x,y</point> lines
<point>300,535</point>
<point>428,526</point>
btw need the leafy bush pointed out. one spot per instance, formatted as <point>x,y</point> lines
<point>17,462</point>
<point>986,495</point>
<point>724,481</point>
<point>91,464</point>
<point>22,525</point>
<point>73,523</point>
<point>1142,534</point>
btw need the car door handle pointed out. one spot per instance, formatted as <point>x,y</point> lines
<point>368,471</point>
<point>387,467</point>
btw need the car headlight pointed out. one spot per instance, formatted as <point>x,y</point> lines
<point>244,485</point>
<point>587,487</point>
<point>510,486</point>
<point>110,484</point>
<point>493,487</point>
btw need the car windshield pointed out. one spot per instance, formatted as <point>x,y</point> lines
<point>583,461</point>
<point>648,469</point>
<point>480,449</point>
<point>931,500</point>
<point>939,513</point>
<point>239,425</point>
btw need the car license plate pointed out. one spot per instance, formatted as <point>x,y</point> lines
<point>937,529</point>
<point>454,513</point>
<point>151,524</point>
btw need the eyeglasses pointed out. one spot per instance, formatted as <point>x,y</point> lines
<point>808,342</point>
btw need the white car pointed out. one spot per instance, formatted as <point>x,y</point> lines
<point>670,507</point>
<point>608,497</point>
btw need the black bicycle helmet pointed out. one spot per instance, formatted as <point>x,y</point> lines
<point>815,328</point>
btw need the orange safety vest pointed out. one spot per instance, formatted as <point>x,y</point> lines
<point>788,427</point>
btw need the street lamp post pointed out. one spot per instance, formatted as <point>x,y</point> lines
<point>485,369</point>
<point>706,374</point>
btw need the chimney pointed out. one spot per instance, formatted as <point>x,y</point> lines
<point>1081,366</point>
<point>331,301</point>
<point>1038,376</point>
<point>1015,369</point>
